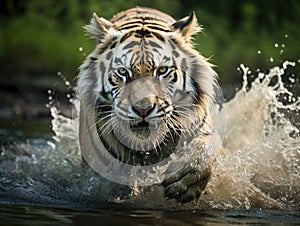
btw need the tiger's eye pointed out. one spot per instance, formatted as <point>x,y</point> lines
<point>162,70</point>
<point>122,71</point>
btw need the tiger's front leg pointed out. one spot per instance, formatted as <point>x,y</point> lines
<point>187,185</point>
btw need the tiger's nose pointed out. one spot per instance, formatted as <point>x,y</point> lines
<point>143,107</point>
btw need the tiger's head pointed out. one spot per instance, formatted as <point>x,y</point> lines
<point>144,87</point>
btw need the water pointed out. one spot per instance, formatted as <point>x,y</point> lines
<point>42,180</point>
<point>33,215</point>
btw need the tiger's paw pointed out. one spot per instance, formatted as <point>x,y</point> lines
<point>187,185</point>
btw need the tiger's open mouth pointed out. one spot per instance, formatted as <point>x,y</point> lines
<point>143,124</point>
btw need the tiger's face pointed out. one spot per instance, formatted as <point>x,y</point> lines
<point>145,85</point>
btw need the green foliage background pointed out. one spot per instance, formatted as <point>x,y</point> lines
<point>39,38</point>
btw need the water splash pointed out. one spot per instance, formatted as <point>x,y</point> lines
<point>262,163</point>
<point>260,168</point>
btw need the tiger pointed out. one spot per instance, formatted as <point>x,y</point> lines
<point>146,93</point>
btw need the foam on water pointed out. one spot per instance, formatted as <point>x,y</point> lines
<point>260,167</point>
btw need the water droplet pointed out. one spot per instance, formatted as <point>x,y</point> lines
<point>276,45</point>
<point>80,49</point>
<point>258,52</point>
<point>292,79</point>
<point>59,73</point>
<point>271,59</point>
<point>286,36</point>
<point>261,75</point>
<point>67,83</point>
<point>282,45</point>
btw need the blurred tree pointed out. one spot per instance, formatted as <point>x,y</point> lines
<point>40,38</point>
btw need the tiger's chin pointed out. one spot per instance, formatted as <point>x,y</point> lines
<point>139,142</point>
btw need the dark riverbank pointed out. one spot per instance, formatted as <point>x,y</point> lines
<point>31,102</point>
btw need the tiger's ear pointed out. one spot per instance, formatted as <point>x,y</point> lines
<point>187,27</point>
<point>99,28</point>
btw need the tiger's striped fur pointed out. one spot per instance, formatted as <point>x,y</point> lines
<point>145,72</point>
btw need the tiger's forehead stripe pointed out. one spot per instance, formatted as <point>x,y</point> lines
<point>143,19</point>
<point>144,24</point>
<point>143,13</point>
